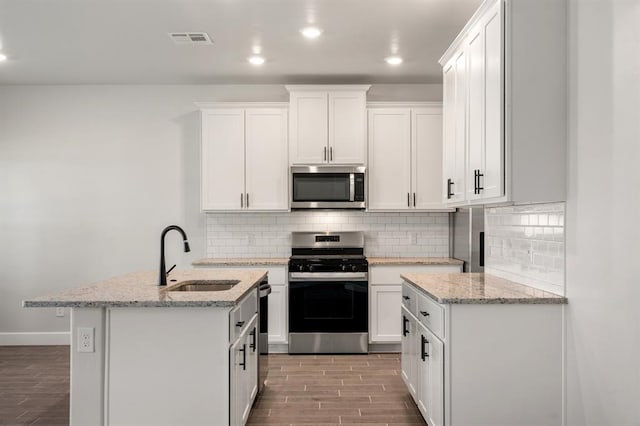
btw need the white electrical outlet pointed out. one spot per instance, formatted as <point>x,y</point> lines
<point>85,339</point>
<point>59,312</point>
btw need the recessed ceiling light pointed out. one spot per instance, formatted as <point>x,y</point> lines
<point>311,32</point>
<point>256,60</point>
<point>3,57</point>
<point>393,60</point>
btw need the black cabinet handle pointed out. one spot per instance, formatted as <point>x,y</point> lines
<point>424,313</point>
<point>476,181</point>
<point>481,246</point>
<point>240,324</point>
<point>449,185</point>
<point>424,355</point>
<point>406,297</point>
<point>244,356</point>
<point>408,200</point>
<point>414,199</point>
<point>405,320</point>
<point>253,339</point>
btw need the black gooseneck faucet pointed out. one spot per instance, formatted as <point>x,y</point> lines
<point>162,280</point>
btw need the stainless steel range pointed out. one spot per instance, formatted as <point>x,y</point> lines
<point>328,293</point>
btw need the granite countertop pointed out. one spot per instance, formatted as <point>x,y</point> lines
<point>140,289</point>
<point>413,261</point>
<point>248,261</point>
<point>478,288</point>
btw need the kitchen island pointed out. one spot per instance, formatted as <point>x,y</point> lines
<point>143,354</point>
<point>480,349</point>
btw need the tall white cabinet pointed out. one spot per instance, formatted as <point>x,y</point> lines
<point>244,157</point>
<point>328,124</point>
<point>504,104</point>
<point>405,156</point>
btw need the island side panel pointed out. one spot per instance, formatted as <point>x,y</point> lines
<point>505,364</point>
<point>87,369</point>
<point>168,366</point>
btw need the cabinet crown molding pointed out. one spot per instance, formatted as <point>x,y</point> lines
<point>206,105</point>
<point>327,87</point>
<point>464,32</point>
<point>396,104</point>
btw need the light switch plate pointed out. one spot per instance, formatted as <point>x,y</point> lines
<point>85,339</point>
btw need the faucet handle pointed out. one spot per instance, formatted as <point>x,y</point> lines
<point>171,269</point>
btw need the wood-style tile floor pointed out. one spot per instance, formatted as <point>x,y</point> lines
<point>301,389</point>
<point>335,389</point>
<point>34,385</point>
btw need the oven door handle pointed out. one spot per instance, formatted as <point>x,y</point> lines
<point>327,276</point>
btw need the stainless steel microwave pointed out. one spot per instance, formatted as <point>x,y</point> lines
<point>328,187</point>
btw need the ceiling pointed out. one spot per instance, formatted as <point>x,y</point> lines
<point>127,41</point>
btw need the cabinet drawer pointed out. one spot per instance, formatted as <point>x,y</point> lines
<point>431,314</point>
<point>240,315</point>
<point>409,297</point>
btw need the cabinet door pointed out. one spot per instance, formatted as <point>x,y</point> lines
<point>389,168</point>
<point>408,356</point>
<point>449,130</point>
<point>435,385</point>
<point>251,372</point>
<point>266,159</point>
<point>278,314</point>
<point>222,159</point>
<point>385,309</point>
<point>426,157</point>
<point>423,373</point>
<point>347,126</point>
<point>460,127</point>
<point>237,385</point>
<point>309,127</point>
<point>493,179</point>
<point>476,110</point>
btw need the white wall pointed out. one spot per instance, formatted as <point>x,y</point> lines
<point>90,175</point>
<point>602,214</point>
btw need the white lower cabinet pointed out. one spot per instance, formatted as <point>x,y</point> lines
<point>385,298</point>
<point>482,364</point>
<point>278,308</point>
<point>243,373</point>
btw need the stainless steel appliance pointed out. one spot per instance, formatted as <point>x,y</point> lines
<point>263,333</point>
<point>467,237</point>
<point>328,187</point>
<point>328,293</point>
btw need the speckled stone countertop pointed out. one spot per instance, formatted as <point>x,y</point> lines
<point>249,261</point>
<point>413,261</point>
<point>140,289</point>
<point>478,288</point>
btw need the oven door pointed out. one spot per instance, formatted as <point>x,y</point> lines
<point>328,306</point>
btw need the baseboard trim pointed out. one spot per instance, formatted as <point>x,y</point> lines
<point>384,347</point>
<point>35,339</point>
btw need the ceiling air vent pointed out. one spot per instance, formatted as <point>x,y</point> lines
<point>190,38</point>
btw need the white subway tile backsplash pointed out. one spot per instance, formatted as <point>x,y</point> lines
<point>269,234</point>
<point>526,244</point>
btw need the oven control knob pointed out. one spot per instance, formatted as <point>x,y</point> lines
<point>343,267</point>
<point>311,268</point>
<point>301,268</point>
<point>354,268</point>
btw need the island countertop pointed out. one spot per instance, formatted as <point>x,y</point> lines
<point>140,289</point>
<point>475,288</point>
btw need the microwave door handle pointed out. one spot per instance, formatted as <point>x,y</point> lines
<point>352,187</point>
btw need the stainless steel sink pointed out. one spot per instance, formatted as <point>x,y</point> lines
<point>204,285</point>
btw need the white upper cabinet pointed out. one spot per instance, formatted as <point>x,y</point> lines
<point>405,156</point>
<point>244,158</point>
<point>504,105</point>
<point>328,124</point>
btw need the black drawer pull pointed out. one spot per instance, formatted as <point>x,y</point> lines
<point>240,324</point>
<point>449,185</point>
<point>424,313</point>
<point>406,297</point>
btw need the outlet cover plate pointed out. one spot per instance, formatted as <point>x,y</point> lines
<point>85,339</point>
